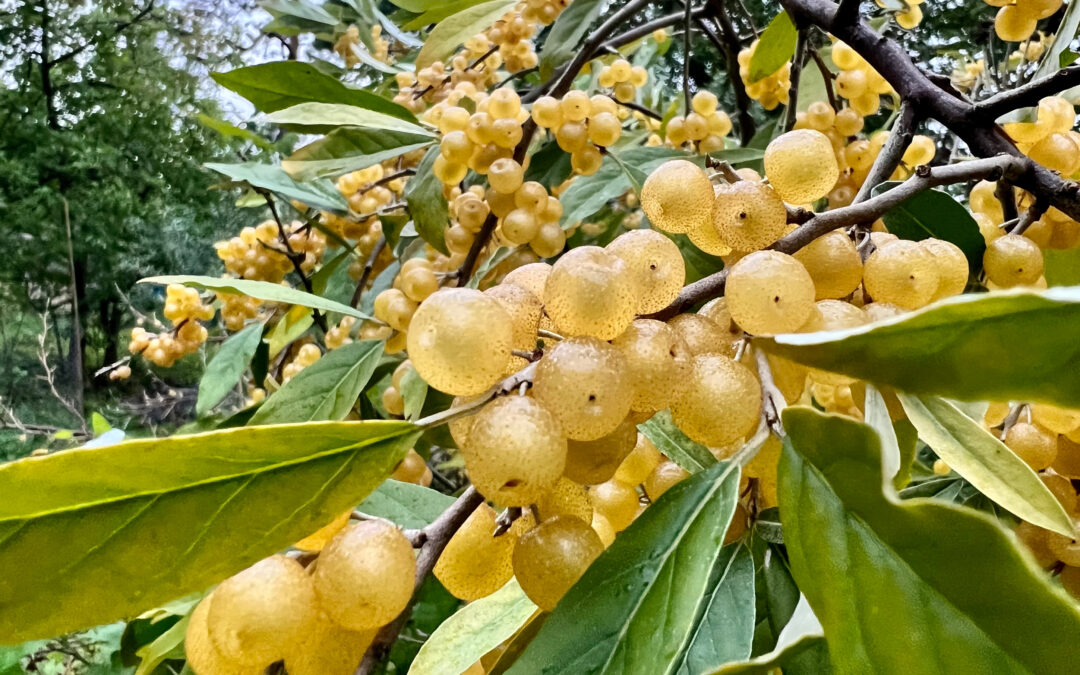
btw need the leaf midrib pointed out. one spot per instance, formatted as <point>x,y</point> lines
<point>222,478</point>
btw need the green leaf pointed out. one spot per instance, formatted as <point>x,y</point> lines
<point>319,194</point>
<point>410,506</point>
<point>948,579</point>
<point>1067,58</point>
<point>289,327</point>
<point>262,290</point>
<point>349,149</point>
<point>800,647</point>
<point>317,117</point>
<point>437,11</point>
<point>300,9</point>
<point>227,367</point>
<point>325,390</point>
<point>725,631</point>
<point>564,38</point>
<point>636,608</point>
<point>414,390</point>
<point>229,130</point>
<point>283,84</point>
<point>162,648</point>
<point>985,462</point>
<point>1062,267</point>
<point>775,47</point>
<point>999,346</point>
<point>877,418</point>
<point>473,631</point>
<point>136,524</point>
<point>98,423</point>
<point>677,446</point>
<point>1066,31</point>
<point>427,205</point>
<point>549,165</point>
<point>933,213</point>
<point>454,30</point>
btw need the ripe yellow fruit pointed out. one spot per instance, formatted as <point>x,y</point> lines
<point>657,263</point>
<point>525,310</point>
<point>702,335</point>
<point>365,575</point>
<point>531,277</point>
<point>657,363</point>
<point>801,165</point>
<point>459,341</point>
<point>475,563</point>
<point>769,292</point>
<point>1013,24</point>
<point>662,478</point>
<point>515,451</point>
<point>836,315</point>
<point>550,558</point>
<point>604,530</point>
<point>321,537</point>
<point>952,267</point>
<point>708,239</point>
<point>203,657</point>
<point>258,614</point>
<point>1033,444</point>
<point>591,292</point>
<point>412,469</point>
<point>748,216</point>
<point>639,463</point>
<point>592,462</point>
<point>567,498</point>
<point>1058,420</point>
<point>901,273</point>
<point>328,649</point>
<point>1036,539</point>
<point>583,382</point>
<point>677,196</point>
<point>616,501</point>
<point>833,263</point>
<point>1066,549</point>
<point>722,403</point>
<point>1013,260</point>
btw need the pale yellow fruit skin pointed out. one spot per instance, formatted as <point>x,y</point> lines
<point>722,403</point>
<point>475,563</point>
<point>584,383</point>
<point>901,273</point>
<point>658,264</point>
<point>764,467</point>
<point>748,216</point>
<point>329,649</point>
<point>616,501</point>
<point>567,498</point>
<point>321,537</point>
<point>525,310</point>
<point>203,657</point>
<point>258,613</point>
<point>657,363</point>
<point>662,478</point>
<point>836,315</point>
<point>640,462</point>
<point>706,238</point>
<point>550,558</point>
<point>604,530</point>
<point>1058,420</point>
<point>365,575</point>
<point>459,341</point>
<point>591,292</point>
<point>952,266</point>
<point>1013,260</point>
<point>592,462</point>
<point>531,277</point>
<point>801,166</point>
<point>1033,444</point>
<point>515,451</point>
<point>833,263</point>
<point>702,335</point>
<point>677,197</point>
<point>769,292</point>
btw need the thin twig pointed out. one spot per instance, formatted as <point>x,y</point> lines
<point>368,267</point>
<point>827,76</point>
<point>729,47</point>
<point>1030,217</point>
<point>889,157</point>
<point>686,57</point>
<point>791,109</point>
<point>293,256</point>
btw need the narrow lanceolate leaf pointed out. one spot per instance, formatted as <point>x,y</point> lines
<point>474,630</point>
<point>315,117</point>
<point>320,194</point>
<point>934,213</point>
<point>878,419</point>
<point>134,525</point>
<point>677,446</point>
<point>406,504</point>
<point>636,609</point>
<point>261,290</point>
<point>566,33</point>
<point>1017,345</point>
<point>414,391</point>
<point>454,30</point>
<point>350,149</point>
<point>950,580</point>
<point>325,390</point>
<point>427,205</point>
<point>725,631</point>
<point>985,462</point>
<point>800,648</point>
<point>227,366</point>
<point>274,86</point>
<point>775,47</point>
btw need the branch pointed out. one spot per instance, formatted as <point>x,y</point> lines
<point>686,58</point>
<point>368,267</point>
<point>120,28</point>
<point>827,76</point>
<point>730,48</point>
<point>848,11</point>
<point>889,157</point>
<point>436,536</point>
<point>772,400</point>
<point>293,256</point>
<point>791,109</point>
<point>1027,95</point>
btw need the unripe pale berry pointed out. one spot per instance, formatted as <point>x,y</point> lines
<point>550,558</point>
<point>583,382</point>
<point>769,292</point>
<point>722,403</point>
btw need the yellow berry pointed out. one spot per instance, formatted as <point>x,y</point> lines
<point>769,292</point>
<point>901,273</point>
<point>662,478</point>
<point>475,563</point>
<point>678,197</point>
<point>583,382</point>
<point>640,462</point>
<point>952,266</point>
<point>550,558</point>
<point>658,264</point>
<point>722,403</point>
<point>1033,444</point>
<point>833,263</point>
<point>1013,260</point>
<point>591,292</point>
<point>618,502</point>
<point>657,361</point>
<point>595,461</point>
<point>747,215</point>
<point>801,165</point>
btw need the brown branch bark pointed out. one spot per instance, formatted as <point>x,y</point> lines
<point>1028,95</point>
<point>889,157</point>
<point>730,49</point>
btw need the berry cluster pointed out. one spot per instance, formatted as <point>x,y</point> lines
<point>623,79</point>
<point>705,126</point>
<point>858,82</point>
<point>184,308</point>
<point>475,141</point>
<point>308,354</point>
<point>1017,19</point>
<point>258,253</point>
<point>236,309</point>
<point>581,125</point>
<point>771,90</point>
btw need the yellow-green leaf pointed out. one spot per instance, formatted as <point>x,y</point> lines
<point>89,536</point>
<point>775,47</point>
<point>316,116</point>
<point>454,30</point>
<point>985,462</point>
<point>261,290</point>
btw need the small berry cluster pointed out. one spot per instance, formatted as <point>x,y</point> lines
<point>581,125</point>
